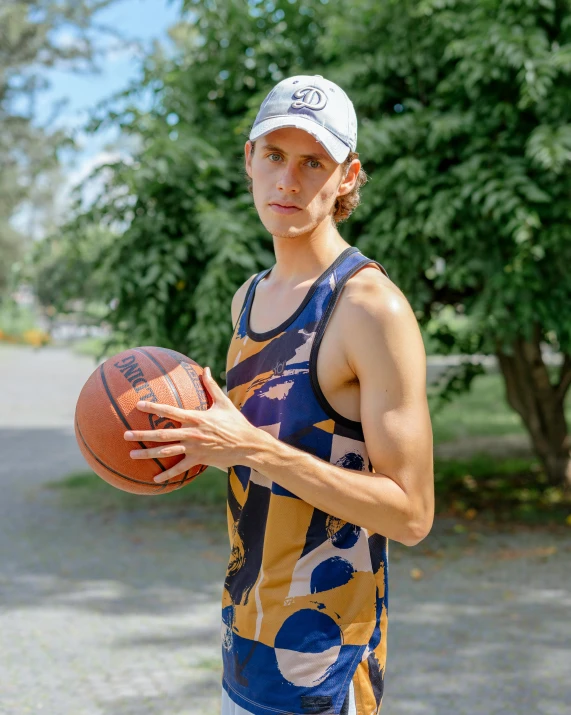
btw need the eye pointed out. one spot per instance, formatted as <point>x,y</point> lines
<point>274,157</point>
<point>314,164</point>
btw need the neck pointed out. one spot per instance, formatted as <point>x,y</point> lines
<point>304,258</point>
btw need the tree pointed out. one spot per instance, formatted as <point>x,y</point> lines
<point>466,131</point>
<point>30,41</point>
<point>186,233</point>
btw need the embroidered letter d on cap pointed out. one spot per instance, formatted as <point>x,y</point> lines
<point>317,106</point>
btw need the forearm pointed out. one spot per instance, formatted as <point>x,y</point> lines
<point>372,501</point>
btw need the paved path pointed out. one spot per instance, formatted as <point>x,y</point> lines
<point>118,615</point>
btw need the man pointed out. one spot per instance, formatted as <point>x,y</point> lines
<point>325,431</point>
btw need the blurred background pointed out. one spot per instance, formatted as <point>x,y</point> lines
<point>125,220</point>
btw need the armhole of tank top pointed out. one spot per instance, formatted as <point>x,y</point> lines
<point>319,333</point>
<point>251,287</point>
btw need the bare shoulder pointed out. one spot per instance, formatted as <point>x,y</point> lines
<point>370,291</point>
<point>239,297</point>
<point>380,325</point>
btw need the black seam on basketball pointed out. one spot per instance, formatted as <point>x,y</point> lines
<point>319,333</point>
<point>188,478</point>
<point>122,416</point>
<point>185,478</point>
<point>156,485</point>
<point>198,388</point>
<point>171,385</point>
<point>165,374</point>
<point>177,356</point>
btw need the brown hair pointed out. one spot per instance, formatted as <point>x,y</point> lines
<point>344,205</point>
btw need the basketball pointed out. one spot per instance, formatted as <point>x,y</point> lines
<point>106,409</point>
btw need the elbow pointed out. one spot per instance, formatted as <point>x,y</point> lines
<point>412,538</point>
<point>418,529</point>
<point>420,517</point>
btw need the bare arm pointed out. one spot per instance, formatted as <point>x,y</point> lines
<point>384,349</point>
<point>386,353</point>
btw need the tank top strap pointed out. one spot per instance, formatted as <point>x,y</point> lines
<point>352,262</point>
<point>317,298</point>
<point>333,280</point>
<point>323,307</point>
<point>250,293</point>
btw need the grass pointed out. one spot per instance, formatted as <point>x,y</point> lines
<point>205,496</point>
<point>15,319</point>
<point>19,325</point>
<point>214,664</point>
<point>100,346</point>
<point>483,412</point>
<point>499,491</point>
<point>494,489</point>
<point>92,347</point>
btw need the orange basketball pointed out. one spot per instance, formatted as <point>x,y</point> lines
<point>106,409</point>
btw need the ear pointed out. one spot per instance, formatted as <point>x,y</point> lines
<point>248,153</point>
<point>348,182</point>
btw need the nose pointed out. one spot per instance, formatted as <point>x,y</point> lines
<point>288,180</point>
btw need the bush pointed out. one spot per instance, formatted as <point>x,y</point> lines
<point>499,490</point>
<point>18,325</point>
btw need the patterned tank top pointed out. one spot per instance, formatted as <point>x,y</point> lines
<point>304,611</point>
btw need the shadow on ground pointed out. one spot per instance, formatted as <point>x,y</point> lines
<point>118,613</point>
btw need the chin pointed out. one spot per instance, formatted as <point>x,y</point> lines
<point>291,232</point>
<point>281,228</point>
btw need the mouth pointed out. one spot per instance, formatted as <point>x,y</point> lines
<point>284,208</point>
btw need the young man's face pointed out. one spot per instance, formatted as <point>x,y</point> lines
<point>295,181</point>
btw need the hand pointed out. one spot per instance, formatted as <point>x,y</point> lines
<point>218,437</point>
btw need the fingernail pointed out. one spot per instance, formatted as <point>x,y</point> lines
<point>141,404</point>
<point>128,435</point>
<point>207,371</point>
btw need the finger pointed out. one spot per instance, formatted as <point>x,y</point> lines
<point>179,468</point>
<point>170,451</point>
<point>157,435</point>
<point>174,413</point>
<point>216,392</point>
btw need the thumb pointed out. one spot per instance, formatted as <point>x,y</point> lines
<point>215,391</point>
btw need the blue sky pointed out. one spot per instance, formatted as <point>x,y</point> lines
<point>142,20</point>
<point>136,20</point>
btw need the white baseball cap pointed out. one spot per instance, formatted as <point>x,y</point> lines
<point>317,106</point>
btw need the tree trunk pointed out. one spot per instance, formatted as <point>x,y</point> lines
<point>540,404</point>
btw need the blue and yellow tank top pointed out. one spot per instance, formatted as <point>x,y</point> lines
<point>304,609</point>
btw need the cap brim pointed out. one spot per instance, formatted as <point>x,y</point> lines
<point>336,149</point>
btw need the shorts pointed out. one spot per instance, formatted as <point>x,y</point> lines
<point>229,707</point>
